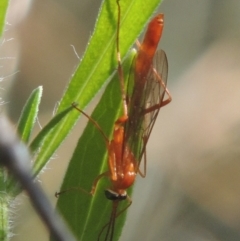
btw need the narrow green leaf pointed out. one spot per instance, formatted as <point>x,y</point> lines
<point>38,140</point>
<point>86,215</point>
<point>3,11</point>
<point>4,205</point>
<point>36,144</point>
<point>99,62</point>
<point>29,115</point>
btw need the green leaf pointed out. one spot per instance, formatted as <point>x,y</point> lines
<point>38,140</point>
<point>4,207</point>
<point>86,215</point>
<point>3,11</point>
<point>29,114</point>
<point>36,144</point>
<point>99,62</point>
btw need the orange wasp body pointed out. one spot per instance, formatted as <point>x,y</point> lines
<point>124,155</point>
<point>141,106</point>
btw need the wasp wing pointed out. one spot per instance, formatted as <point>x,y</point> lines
<point>144,108</point>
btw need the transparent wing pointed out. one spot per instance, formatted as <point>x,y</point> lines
<point>155,87</point>
<point>142,116</point>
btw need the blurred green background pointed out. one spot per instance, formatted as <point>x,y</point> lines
<point>192,189</point>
